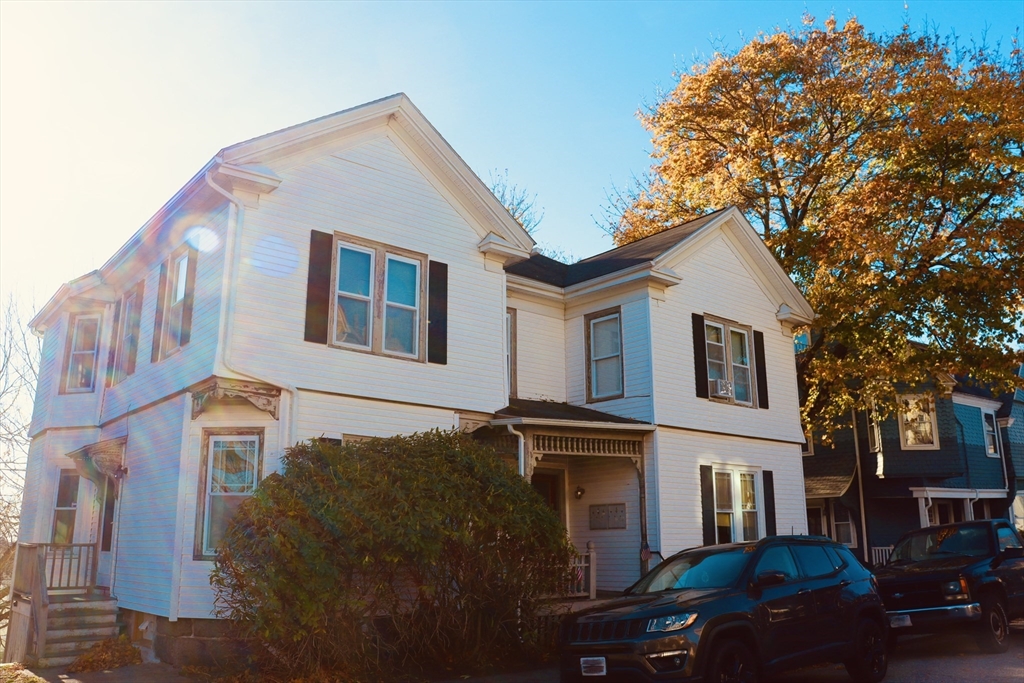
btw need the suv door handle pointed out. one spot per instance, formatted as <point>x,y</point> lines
<point>844,583</point>
<point>804,591</point>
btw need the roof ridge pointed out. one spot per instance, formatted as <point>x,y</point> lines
<point>654,234</point>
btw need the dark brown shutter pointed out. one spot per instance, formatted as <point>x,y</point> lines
<point>768,480</point>
<point>190,297</point>
<point>140,291</point>
<point>707,502</point>
<point>318,286</point>
<point>761,370</point>
<point>158,319</point>
<point>437,313</point>
<point>112,353</point>
<point>700,356</point>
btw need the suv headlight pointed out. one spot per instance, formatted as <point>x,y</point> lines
<point>672,623</point>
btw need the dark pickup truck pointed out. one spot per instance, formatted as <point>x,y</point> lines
<point>966,576</point>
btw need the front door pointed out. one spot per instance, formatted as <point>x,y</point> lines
<point>548,483</point>
<point>106,532</point>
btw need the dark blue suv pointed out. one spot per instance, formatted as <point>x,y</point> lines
<point>734,612</point>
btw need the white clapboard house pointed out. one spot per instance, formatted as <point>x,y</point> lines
<point>352,277</point>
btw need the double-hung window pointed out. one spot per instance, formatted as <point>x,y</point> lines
<point>173,325</point>
<point>919,428</point>
<point>729,362</point>
<point>231,470</point>
<point>604,355</point>
<point>176,301</point>
<point>82,353</point>
<point>126,343</point>
<point>842,526</point>
<point>991,434</point>
<point>378,298</point>
<point>737,512</point>
<point>66,508</point>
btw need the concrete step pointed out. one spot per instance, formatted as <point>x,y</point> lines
<point>80,635</point>
<point>66,620</point>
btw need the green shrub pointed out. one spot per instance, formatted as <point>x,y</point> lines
<point>409,555</point>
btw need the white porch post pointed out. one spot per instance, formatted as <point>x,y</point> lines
<point>592,552</point>
<point>922,510</point>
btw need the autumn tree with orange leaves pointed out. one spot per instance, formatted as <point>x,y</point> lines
<point>884,172</point>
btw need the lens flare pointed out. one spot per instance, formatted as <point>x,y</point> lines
<point>202,239</point>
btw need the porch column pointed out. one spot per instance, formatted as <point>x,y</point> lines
<point>922,510</point>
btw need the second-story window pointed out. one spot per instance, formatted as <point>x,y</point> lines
<point>728,350</point>
<point>604,355</point>
<point>991,434</point>
<point>917,422</point>
<point>379,293</point>
<point>172,328</point>
<point>82,353</point>
<point>126,340</point>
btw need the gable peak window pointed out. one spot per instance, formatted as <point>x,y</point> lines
<point>919,429</point>
<point>728,349</point>
<point>604,355</point>
<point>82,355</point>
<point>379,292</point>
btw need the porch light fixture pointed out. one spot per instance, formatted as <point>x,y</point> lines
<point>579,492</point>
<point>121,472</point>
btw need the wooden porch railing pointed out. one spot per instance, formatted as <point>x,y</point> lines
<point>39,569</point>
<point>880,555</point>
<point>584,574</point>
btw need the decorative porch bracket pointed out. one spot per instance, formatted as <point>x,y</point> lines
<point>264,397</point>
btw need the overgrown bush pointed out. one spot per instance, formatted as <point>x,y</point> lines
<point>411,555</point>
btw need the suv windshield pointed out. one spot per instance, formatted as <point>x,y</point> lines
<point>702,568</point>
<point>969,541</point>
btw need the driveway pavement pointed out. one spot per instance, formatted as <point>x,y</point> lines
<point>140,673</point>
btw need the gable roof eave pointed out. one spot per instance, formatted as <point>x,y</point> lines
<point>403,117</point>
<point>793,306</point>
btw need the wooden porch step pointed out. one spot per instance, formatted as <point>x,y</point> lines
<point>71,639</point>
<point>80,619</point>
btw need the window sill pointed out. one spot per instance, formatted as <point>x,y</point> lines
<point>934,447</point>
<point>602,399</point>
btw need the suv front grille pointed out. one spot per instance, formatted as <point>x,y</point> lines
<point>594,631</point>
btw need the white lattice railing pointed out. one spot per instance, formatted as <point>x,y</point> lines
<point>880,555</point>
<point>583,583</point>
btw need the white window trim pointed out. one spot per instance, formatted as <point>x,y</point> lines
<point>934,418</point>
<point>68,389</point>
<point>833,524</point>
<point>995,433</point>
<point>748,333</point>
<point>737,499</point>
<point>417,309</point>
<point>213,439</point>
<point>594,396</point>
<point>338,246</point>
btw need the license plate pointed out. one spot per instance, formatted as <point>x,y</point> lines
<point>899,621</point>
<point>593,666</point>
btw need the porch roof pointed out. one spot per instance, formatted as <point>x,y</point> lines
<point>828,475</point>
<point>554,414</point>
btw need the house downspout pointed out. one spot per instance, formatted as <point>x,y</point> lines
<point>860,486</point>
<point>223,356</point>
<point>522,450</point>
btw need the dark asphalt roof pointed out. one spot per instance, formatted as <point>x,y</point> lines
<point>550,410</point>
<point>544,269</point>
<point>828,475</point>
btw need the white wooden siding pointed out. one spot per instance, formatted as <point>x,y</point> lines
<point>148,503</point>
<point>717,281</point>
<point>332,416</point>
<point>193,593</point>
<point>194,362</point>
<point>680,455</point>
<point>607,481</point>
<point>540,349</point>
<point>636,347</point>
<point>49,373</point>
<point>373,191</point>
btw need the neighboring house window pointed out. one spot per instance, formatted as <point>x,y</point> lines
<point>736,506</point>
<point>917,422</point>
<point>510,350</point>
<point>126,342</point>
<point>173,325</point>
<point>815,520</point>
<point>729,366</point>
<point>65,508</point>
<point>807,448</point>
<point>991,434</point>
<point>379,292</point>
<point>843,530</point>
<point>82,353</point>
<point>604,355</point>
<point>230,471</point>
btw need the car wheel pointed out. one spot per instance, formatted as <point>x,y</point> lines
<point>993,630</point>
<point>733,662</point>
<point>869,660</point>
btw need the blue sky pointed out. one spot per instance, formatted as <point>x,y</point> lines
<point>106,109</point>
